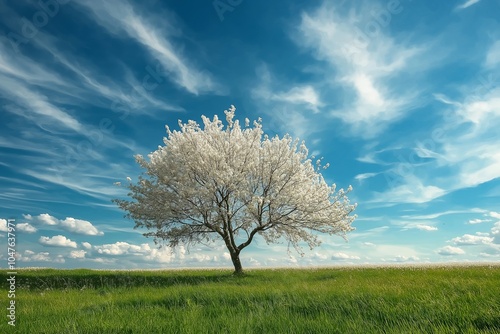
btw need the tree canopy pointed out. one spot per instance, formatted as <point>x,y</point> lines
<point>231,183</point>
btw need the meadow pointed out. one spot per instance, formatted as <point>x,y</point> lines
<point>329,300</point>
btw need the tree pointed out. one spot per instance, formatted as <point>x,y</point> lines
<point>231,183</point>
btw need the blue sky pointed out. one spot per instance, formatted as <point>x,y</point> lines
<point>402,98</point>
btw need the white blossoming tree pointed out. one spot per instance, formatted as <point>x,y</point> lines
<point>232,183</point>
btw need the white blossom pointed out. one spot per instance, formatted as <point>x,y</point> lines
<point>234,184</point>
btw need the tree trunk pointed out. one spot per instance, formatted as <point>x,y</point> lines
<point>235,257</point>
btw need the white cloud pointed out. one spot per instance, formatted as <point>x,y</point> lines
<point>79,254</point>
<point>122,248</point>
<point>450,250</point>
<point>58,240</point>
<point>86,245</point>
<point>26,227</point>
<point>426,227</point>
<point>494,214</point>
<point>477,110</point>
<point>403,258</point>
<point>344,256</point>
<point>181,252</point>
<point>153,254</point>
<point>70,224</point>
<point>197,257</point>
<point>478,221</point>
<point>495,232</point>
<point>101,260</point>
<point>468,239</point>
<point>163,255</point>
<point>254,262</point>
<point>467,4</point>
<point>292,260</point>
<point>30,256</point>
<point>3,225</point>
<point>79,226</point>
<point>47,219</point>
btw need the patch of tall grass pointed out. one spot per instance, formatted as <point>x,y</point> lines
<point>335,300</point>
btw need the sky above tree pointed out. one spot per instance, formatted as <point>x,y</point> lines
<point>402,98</point>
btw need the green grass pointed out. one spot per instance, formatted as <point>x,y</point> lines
<point>348,300</point>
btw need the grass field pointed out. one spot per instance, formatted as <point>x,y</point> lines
<point>335,300</point>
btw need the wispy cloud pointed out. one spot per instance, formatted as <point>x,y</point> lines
<point>427,226</point>
<point>412,190</point>
<point>366,67</point>
<point>467,4</point>
<point>444,213</point>
<point>364,176</point>
<point>92,186</point>
<point>127,92</point>
<point>121,17</point>
<point>463,159</point>
<point>293,109</point>
<point>36,105</point>
<point>493,55</point>
<point>300,95</point>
